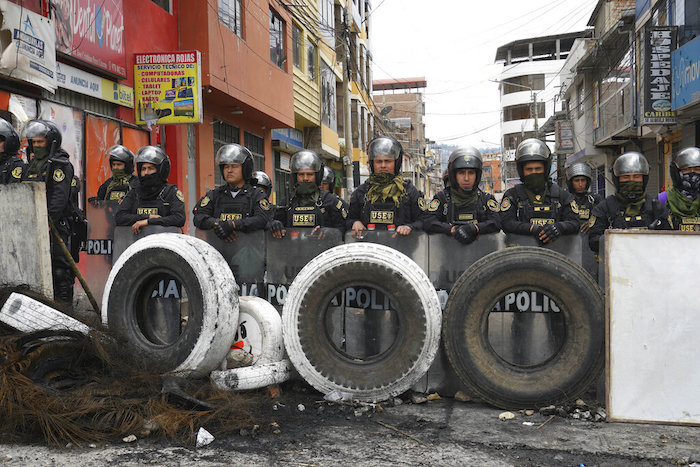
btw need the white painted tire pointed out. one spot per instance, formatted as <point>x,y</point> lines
<point>417,303</point>
<point>259,330</point>
<point>212,301</point>
<point>252,377</point>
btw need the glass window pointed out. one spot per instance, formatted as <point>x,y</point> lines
<point>523,83</point>
<point>224,133</point>
<point>511,140</point>
<point>164,4</point>
<point>581,100</point>
<point>276,40</point>
<point>230,15</point>
<point>283,179</point>
<point>522,112</point>
<point>328,98</point>
<point>256,145</point>
<point>311,60</point>
<point>296,45</point>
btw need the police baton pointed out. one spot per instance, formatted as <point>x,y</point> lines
<point>74,267</point>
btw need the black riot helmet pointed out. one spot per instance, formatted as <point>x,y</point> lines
<point>260,179</point>
<point>121,153</point>
<point>42,129</point>
<point>446,178</point>
<point>579,169</point>
<point>10,136</point>
<point>533,150</point>
<point>630,163</point>
<point>688,157</point>
<point>385,146</point>
<point>464,158</point>
<point>329,178</point>
<point>156,156</point>
<point>235,154</point>
<point>306,159</point>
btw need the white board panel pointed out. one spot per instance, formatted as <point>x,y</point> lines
<point>653,326</point>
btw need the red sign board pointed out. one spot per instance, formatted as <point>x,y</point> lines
<point>92,31</point>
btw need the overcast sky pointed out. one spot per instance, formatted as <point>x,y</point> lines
<point>453,44</point>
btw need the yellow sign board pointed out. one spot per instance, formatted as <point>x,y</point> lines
<point>168,87</point>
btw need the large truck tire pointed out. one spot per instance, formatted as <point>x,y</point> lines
<point>371,265</point>
<point>252,377</point>
<point>212,301</point>
<point>259,330</point>
<point>567,373</point>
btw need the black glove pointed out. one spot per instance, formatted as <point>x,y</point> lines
<point>553,231</point>
<point>465,233</point>
<point>224,228</point>
<point>656,225</point>
<point>275,226</point>
<point>535,230</point>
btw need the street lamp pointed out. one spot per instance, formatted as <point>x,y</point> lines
<point>533,96</point>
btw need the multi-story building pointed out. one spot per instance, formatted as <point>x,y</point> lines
<point>528,84</point>
<point>401,108</point>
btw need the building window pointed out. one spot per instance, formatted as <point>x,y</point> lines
<point>581,100</point>
<point>230,15</point>
<point>523,83</point>
<point>256,145</point>
<point>328,97</point>
<point>224,133</point>
<point>164,4</point>
<point>277,40</point>
<point>325,10</point>
<point>296,45</point>
<point>283,179</point>
<point>522,112</point>
<point>511,140</point>
<point>311,63</point>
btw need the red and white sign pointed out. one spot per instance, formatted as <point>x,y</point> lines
<point>92,31</point>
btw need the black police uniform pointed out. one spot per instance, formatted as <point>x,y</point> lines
<point>584,205</point>
<point>12,169</point>
<point>518,214</point>
<point>118,191</point>
<point>328,211</point>
<point>382,213</point>
<point>250,208</point>
<point>610,214</point>
<point>58,176</point>
<point>442,214</point>
<point>168,203</point>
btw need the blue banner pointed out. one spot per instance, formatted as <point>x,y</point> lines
<point>685,62</point>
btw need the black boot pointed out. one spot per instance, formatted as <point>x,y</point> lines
<point>63,280</point>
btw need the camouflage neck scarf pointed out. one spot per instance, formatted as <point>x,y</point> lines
<point>631,194</point>
<point>118,178</point>
<point>464,198</point>
<point>306,193</point>
<point>386,186</point>
<point>41,157</point>
<point>680,205</point>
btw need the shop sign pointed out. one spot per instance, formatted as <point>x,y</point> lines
<point>686,74</point>
<point>92,31</point>
<point>168,87</point>
<point>659,42</point>
<point>86,83</point>
<point>564,136</point>
<point>29,54</point>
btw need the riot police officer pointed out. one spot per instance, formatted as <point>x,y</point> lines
<point>630,207</point>
<point>462,209</point>
<point>537,207</point>
<point>235,206</point>
<point>683,198</point>
<point>578,178</point>
<point>154,202</point>
<point>11,165</point>
<point>262,182</point>
<point>121,163</point>
<point>386,198</point>
<point>49,163</point>
<point>328,184</point>
<point>310,206</point>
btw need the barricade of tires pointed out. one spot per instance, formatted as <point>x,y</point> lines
<point>206,290</point>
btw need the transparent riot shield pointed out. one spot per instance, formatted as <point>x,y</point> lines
<point>164,301</point>
<point>100,245</point>
<point>448,258</point>
<point>245,255</point>
<point>526,328</point>
<point>415,245</point>
<point>288,255</point>
<point>570,246</point>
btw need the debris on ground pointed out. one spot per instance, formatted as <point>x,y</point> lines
<point>418,398</point>
<point>462,397</point>
<point>204,438</point>
<point>434,397</point>
<point>506,416</point>
<point>579,410</point>
<point>129,439</point>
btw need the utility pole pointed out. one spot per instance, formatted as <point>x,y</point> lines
<point>346,102</point>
